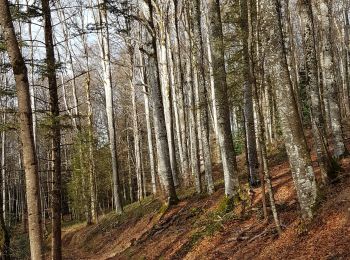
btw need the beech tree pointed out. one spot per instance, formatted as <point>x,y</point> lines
<point>293,133</point>
<point>221,100</point>
<point>107,82</point>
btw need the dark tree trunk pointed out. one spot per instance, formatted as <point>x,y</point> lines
<point>55,133</point>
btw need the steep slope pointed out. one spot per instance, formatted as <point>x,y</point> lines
<point>199,228</point>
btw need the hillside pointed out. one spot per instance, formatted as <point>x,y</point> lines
<point>198,227</point>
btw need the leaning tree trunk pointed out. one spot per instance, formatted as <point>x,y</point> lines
<point>318,130</point>
<point>332,89</point>
<point>26,132</point>
<point>293,133</point>
<point>166,92</point>
<point>221,96</point>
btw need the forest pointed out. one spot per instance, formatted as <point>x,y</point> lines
<point>174,129</point>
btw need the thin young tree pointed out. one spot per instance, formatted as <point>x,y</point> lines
<point>55,134</point>
<point>252,160</point>
<point>107,82</point>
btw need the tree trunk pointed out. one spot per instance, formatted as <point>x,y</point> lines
<point>221,96</point>
<point>293,133</point>
<point>203,101</point>
<point>181,99</point>
<point>107,82</point>
<point>164,167</point>
<point>90,126</point>
<point>135,126</point>
<point>252,160</point>
<point>26,131</point>
<point>166,92</point>
<point>148,124</point>
<point>5,252</point>
<point>55,134</point>
<point>312,84</point>
<point>332,90</point>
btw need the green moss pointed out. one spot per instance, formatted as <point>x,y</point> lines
<point>225,205</point>
<point>334,169</point>
<point>209,228</point>
<point>20,246</point>
<point>320,198</point>
<point>163,209</point>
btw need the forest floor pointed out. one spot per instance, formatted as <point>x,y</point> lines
<point>198,228</point>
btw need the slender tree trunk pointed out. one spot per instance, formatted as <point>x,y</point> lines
<point>263,152</point>
<point>252,160</point>
<point>107,82</point>
<point>135,126</point>
<point>191,85</point>
<point>174,105</point>
<point>148,124</point>
<point>130,175</point>
<point>90,126</point>
<point>181,99</point>
<point>55,134</point>
<point>203,101</point>
<point>206,37</point>
<point>5,250</point>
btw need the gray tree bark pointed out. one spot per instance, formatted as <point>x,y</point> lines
<point>221,96</point>
<point>107,82</point>
<point>164,166</point>
<point>203,100</point>
<point>252,160</point>
<point>293,133</point>
<point>318,129</point>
